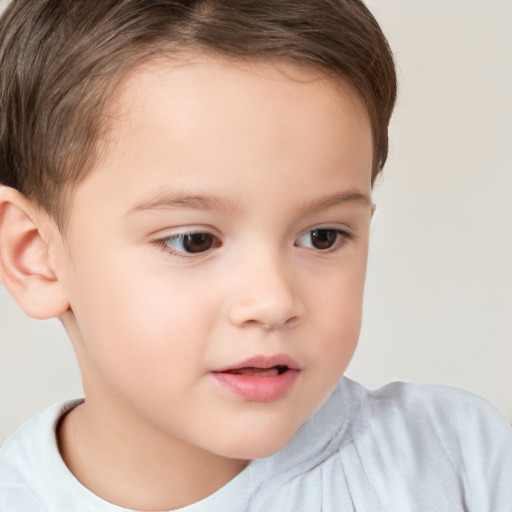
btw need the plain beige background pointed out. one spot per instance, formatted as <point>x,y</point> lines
<point>439,292</point>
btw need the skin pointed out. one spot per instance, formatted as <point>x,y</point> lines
<point>284,151</point>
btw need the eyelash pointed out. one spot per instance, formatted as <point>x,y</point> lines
<point>342,237</point>
<point>163,244</point>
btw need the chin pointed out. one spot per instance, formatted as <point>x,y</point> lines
<point>259,446</point>
<point>253,452</point>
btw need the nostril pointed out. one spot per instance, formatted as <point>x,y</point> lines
<point>253,323</point>
<point>292,322</point>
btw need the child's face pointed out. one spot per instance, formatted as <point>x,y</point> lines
<point>228,221</point>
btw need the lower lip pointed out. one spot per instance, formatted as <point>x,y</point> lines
<point>257,389</point>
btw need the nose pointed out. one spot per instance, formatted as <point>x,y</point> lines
<point>265,296</point>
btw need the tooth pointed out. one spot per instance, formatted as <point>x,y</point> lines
<point>258,372</point>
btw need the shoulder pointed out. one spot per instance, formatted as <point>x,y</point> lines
<point>446,412</point>
<point>402,414</point>
<point>30,464</point>
<point>442,437</point>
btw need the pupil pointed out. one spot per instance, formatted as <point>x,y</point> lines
<point>323,238</point>
<point>197,242</point>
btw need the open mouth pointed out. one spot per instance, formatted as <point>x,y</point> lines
<point>254,371</point>
<point>259,379</point>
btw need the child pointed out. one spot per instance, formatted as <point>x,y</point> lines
<point>187,187</point>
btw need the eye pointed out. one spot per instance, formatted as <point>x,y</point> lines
<point>322,239</point>
<point>189,243</point>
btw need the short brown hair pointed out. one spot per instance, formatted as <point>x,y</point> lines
<point>60,61</point>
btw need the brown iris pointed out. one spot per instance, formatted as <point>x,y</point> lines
<point>197,242</point>
<point>323,238</point>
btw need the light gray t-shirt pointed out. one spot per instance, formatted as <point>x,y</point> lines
<point>401,448</point>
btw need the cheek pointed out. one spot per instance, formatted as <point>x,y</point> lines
<point>339,318</point>
<point>139,326</point>
<point>150,322</point>
<point>340,332</point>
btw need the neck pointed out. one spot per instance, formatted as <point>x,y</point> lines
<point>125,461</point>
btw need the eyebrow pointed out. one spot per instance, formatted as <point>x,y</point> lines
<point>337,199</point>
<point>180,200</point>
<point>177,200</point>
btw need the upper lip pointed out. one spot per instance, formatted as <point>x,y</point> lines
<point>261,361</point>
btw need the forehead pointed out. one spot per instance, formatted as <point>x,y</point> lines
<point>208,120</point>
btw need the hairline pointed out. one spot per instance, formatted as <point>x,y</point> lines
<point>171,52</point>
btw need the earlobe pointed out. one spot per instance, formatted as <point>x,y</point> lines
<point>374,209</point>
<point>25,269</point>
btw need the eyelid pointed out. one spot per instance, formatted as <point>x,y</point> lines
<point>329,227</point>
<point>344,235</point>
<point>162,242</point>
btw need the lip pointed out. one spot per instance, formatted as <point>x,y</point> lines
<point>256,388</point>
<point>261,361</point>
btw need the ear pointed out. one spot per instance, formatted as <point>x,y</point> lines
<point>25,269</point>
